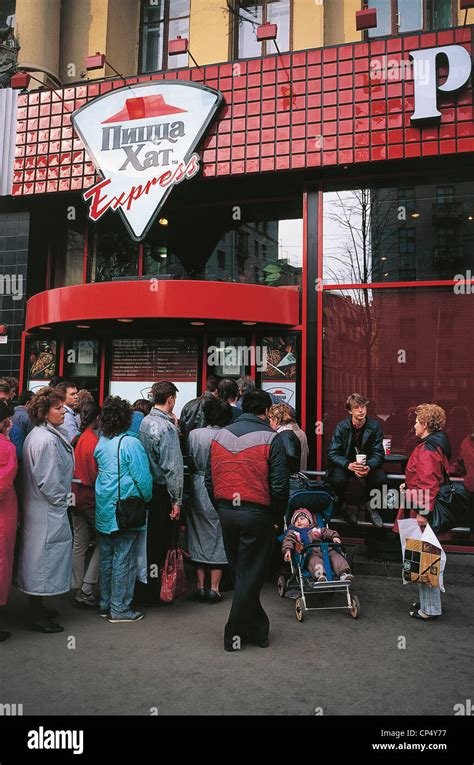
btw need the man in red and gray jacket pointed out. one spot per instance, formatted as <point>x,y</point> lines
<point>248,482</point>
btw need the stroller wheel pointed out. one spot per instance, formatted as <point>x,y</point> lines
<point>355,607</point>
<point>281,586</point>
<point>299,609</point>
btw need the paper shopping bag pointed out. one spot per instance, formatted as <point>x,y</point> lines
<point>423,557</point>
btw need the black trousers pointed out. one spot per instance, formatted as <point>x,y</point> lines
<point>339,478</point>
<point>159,536</point>
<point>248,540</point>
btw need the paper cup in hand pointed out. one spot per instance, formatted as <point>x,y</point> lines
<point>387,445</point>
<point>361,458</point>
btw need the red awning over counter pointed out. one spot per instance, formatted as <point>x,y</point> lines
<point>151,298</point>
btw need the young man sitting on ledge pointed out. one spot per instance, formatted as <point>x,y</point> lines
<point>356,449</point>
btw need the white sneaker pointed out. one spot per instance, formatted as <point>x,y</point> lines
<point>346,577</point>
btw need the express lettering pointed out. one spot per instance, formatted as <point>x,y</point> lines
<point>101,201</point>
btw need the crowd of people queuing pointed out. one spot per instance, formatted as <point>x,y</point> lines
<point>65,463</point>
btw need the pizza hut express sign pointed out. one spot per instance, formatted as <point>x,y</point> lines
<point>142,138</point>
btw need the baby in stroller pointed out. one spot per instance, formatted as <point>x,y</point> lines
<point>302,532</point>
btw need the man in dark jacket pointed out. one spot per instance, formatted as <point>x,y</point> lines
<point>192,413</point>
<point>248,483</point>
<point>228,391</point>
<point>357,435</point>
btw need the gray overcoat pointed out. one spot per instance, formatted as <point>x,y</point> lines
<point>44,560</point>
<point>205,543</point>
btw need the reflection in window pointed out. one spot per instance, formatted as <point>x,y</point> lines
<point>364,331</point>
<point>376,235</point>
<point>384,18</point>
<point>81,364</point>
<point>162,21</point>
<point>7,8</point>
<point>410,15</point>
<point>406,199</point>
<point>252,13</point>
<point>68,251</point>
<point>444,194</point>
<point>114,254</point>
<point>397,16</point>
<point>439,14</point>
<point>263,246</point>
<point>231,357</point>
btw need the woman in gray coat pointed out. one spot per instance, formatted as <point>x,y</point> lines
<point>205,544</point>
<point>45,551</point>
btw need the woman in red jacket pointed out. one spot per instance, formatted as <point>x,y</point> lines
<point>8,506</point>
<point>83,510</point>
<point>425,473</point>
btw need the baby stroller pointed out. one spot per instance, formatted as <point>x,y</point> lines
<point>318,499</point>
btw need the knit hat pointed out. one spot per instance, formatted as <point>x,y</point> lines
<point>305,513</point>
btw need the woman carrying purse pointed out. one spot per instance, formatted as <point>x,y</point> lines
<point>122,487</point>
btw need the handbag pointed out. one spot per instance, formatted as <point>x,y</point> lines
<point>173,578</point>
<point>451,506</point>
<point>130,513</point>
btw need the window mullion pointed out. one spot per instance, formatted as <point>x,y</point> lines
<point>166,33</point>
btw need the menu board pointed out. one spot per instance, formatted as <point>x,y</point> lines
<point>163,358</point>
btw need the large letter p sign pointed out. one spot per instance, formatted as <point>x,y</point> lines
<point>425,77</point>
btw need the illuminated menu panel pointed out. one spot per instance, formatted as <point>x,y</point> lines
<point>154,359</point>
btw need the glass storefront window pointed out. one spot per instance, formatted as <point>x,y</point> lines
<point>229,357</point>
<point>114,254</point>
<point>68,252</point>
<point>254,244</point>
<point>81,364</point>
<point>417,234</point>
<point>400,348</point>
<point>81,358</point>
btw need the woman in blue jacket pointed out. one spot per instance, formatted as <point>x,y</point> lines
<point>118,548</point>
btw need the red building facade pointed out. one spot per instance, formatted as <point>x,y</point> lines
<point>326,230</point>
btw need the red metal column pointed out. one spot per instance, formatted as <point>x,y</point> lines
<point>310,321</point>
<point>319,337</point>
<point>23,361</point>
<point>102,374</point>
<point>204,365</point>
<point>253,367</point>
<point>304,313</point>
<point>61,358</point>
<point>85,254</point>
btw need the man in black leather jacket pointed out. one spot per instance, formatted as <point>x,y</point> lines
<point>192,413</point>
<point>357,435</point>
